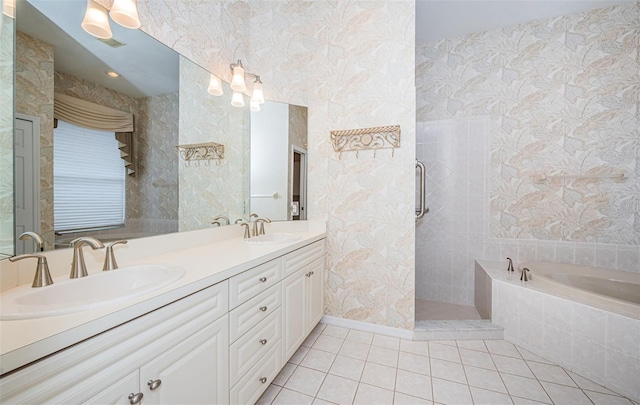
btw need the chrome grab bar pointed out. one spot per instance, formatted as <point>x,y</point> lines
<point>422,208</point>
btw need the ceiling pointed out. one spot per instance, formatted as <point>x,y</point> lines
<point>439,19</point>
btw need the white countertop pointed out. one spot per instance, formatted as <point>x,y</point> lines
<point>207,256</point>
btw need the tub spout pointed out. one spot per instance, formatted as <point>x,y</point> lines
<point>523,275</point>
<point>509,264</point>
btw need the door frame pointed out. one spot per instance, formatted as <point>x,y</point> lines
<point>303,178</point>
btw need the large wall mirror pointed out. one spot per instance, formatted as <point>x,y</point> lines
<point>167,96</point>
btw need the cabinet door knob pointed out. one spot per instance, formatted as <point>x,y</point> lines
<point>135,398</point>
<point>263,380</point>
<point>263,279</point>
<point>308,274</point>
<point>312,273</point>
<point>263,309</point>
<point>154,384</point>
<point>263,341</point>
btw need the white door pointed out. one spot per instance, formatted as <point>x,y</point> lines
<point>27,179</point>
<point>195,371</point>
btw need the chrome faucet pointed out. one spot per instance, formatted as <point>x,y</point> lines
<point>78,267</point>
<point>262,221</point>
<point>523,275</point>
<point>254,224</point>
<point>217,219</point>
<point>42,277</point>
<point>509,264</point>
<point>110,258</point>
<point>37,239</point>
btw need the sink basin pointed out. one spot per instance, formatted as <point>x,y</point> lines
<point>272,239</point>
<point>96,290</point>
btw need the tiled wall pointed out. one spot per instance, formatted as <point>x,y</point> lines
<point>597,344</point>
<point>352,64</point>
<point>560,96</point>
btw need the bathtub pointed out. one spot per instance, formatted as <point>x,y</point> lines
<point>613,290</point>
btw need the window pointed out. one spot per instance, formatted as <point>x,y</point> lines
<point>89,179</point>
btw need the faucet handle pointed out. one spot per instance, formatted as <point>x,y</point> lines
<point>42,277</point>
<point>110,257</point>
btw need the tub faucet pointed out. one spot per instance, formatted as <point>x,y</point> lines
<point>78,267</point>
<point>42,277</point>
<point>509,264</point>
<point>217,219</point>
<point>523,275</point>
<point>37,239</point>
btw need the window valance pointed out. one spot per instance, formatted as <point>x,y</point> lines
<point>90,115</point>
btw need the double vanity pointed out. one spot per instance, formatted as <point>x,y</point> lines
<point>219,333</point>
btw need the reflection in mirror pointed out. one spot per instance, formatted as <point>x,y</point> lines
<point>278,161</point>
<point>6,136</point>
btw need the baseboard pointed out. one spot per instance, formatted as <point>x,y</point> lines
<point>368,327</point>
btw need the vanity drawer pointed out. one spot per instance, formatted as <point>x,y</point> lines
<point>247,315</point>
<point>297,259</point>
<point>252,346</point>
<point>255,382</point>
<point>254,281</point>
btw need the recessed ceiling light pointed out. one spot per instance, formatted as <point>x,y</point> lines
<point>113,74</point>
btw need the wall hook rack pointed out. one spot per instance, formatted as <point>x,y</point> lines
<point>356,140</point>
<point>201,151</point>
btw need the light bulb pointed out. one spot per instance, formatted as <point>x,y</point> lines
<point>215,86</point>
<point>253,105</point>
<point>258,95</point>
<point>125,13</point>
<point>237,100</point>
<point>95,21</point>
<point>237,82</point>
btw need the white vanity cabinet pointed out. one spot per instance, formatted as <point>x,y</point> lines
<point>302,295</point>
<point>170,343</point>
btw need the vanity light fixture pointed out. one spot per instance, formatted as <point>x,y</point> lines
<point>237,100</point>
<point>123,12</point>
<point>237,81</point>
<point>215,85</point>
<point>253,105</point>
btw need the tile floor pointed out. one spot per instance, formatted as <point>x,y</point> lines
<point>441,311</point>
<point>344,366</point>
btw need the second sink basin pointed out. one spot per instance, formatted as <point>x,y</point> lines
<point>272,238</point>
<point>81,294</point>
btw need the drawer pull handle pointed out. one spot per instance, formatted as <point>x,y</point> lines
<point>135,398</point>
<point>154,384</point>
<point>263,309</point>
<point>263,341</point>
<point>263,380</point>
<point>263,279</point>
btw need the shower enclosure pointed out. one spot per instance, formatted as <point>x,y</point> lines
<point>450,177</point>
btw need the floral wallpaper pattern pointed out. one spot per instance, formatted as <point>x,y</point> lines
<point>336,58</point>
<point>34,96</point>
<point>563,95</point>
<point>6,134</point>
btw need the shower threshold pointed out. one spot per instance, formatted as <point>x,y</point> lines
<point>480,329</point>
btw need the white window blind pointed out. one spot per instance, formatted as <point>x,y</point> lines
<point>89,179</point>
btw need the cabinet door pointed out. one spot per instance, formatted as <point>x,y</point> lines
<point>315,293</point>
<point>118,393</point>
<point>293,314</point>
<point>194,371</point>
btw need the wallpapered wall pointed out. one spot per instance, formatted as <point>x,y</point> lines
<point>34,96</point>
<point>352,64</point>
<point>6,134</point>
<point>562,94</point>
<point>208,189</point>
